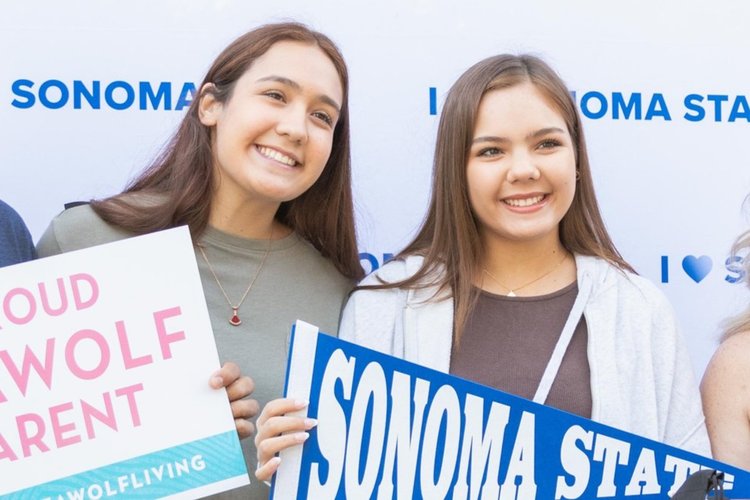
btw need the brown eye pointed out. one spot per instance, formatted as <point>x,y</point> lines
<point>324,117</point>
<point>549,144</point>
<point>275,95</point>
<point>489,152</point>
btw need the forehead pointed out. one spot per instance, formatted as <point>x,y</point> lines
<point>520,106</point>
<point>303,63</point>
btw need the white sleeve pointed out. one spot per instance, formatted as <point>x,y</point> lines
<point>684,424</point>
<point>370,317</point>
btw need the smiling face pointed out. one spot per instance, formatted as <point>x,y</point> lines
<point>521,170</point>
<point>272,138</point>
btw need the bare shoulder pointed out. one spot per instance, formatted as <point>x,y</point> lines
<point>731,361</point>
<point>725,390</point>
<point>728,374</point>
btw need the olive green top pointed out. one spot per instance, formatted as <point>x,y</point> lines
<point>296,282</point>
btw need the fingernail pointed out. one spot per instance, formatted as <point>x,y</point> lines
<point>310,423</point>
<point>275,460</point>
<point>217,381</point>
<point>300,403</point>
<point>301,437</point>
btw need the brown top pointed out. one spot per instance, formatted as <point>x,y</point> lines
<point>508,342</point>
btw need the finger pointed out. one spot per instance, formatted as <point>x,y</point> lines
<point>245,428</point>
<point>283,425</point>
<point>240,388</point>
<point>244,408</point>
<point>279,407</point>
<point>268,469</point>
<point>227,374</point>
<point>271,446</point>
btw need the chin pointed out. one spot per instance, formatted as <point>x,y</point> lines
<point>279,194</point>
<point>530,236</point>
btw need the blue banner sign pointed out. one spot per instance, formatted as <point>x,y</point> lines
<point>388,428</point>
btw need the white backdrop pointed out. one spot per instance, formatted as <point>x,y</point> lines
<point>669,188</point>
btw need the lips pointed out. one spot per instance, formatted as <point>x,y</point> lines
<point>276,155</point>
<point>525,201</point>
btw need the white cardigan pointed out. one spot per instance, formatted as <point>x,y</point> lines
<point>642,380</point>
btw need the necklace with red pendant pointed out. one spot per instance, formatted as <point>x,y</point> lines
<point>235,320</point>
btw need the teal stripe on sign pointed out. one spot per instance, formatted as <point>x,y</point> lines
<point>155,475</point>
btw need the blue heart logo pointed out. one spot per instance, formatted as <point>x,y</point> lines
<point>697,267</point>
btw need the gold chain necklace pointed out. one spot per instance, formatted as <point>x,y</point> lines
<point>235,319</point>
<point>512,292</point>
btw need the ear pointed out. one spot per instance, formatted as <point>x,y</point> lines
<point>208,107</point>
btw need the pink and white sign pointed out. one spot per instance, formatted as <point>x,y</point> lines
<point>105,355</point>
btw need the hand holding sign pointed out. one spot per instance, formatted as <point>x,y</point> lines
<point>279,429</point>
<point>238,387</point>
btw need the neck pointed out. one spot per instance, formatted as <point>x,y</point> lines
<point>515,265</point>
<point>246,220</point>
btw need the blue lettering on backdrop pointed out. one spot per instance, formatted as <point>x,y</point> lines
<point>109,95</point>
<point>697,268</point>
<point>717,100</point>
<point>164,92</point>
<point>738,111</point>
<point>633,105</point>
<point>692,104</point>
<point>44,98</point>
<point>595,105</point>
<point>93,98</point>
<point>19,90</point>
<point>735,267</point>
<point>739,102</point>
<point>601,107</point>
<point>118,95</point>
<point>658,108</point>
<point>186,96</point>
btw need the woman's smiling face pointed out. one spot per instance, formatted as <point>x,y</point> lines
<point>273,136</point>
<point>521,169</point>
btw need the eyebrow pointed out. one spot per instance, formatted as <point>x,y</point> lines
<point>533,135</point>
<point>296,86</point>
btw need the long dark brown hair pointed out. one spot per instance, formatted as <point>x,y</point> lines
<point>177,187</point>
<point>449,237</point>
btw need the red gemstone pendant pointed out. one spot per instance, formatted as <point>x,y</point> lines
<point>235,320</point>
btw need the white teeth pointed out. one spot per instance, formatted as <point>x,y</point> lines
<point>275,155</point>
<point>524,202</point>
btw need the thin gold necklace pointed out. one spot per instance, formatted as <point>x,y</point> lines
<point>235,319</point>
<point>511,291</point>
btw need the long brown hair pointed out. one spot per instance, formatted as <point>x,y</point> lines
<point>177,187</point>
<point>449,237</point>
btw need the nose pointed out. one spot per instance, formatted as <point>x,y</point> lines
<point>293,124</point>
<point>523,168</point>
